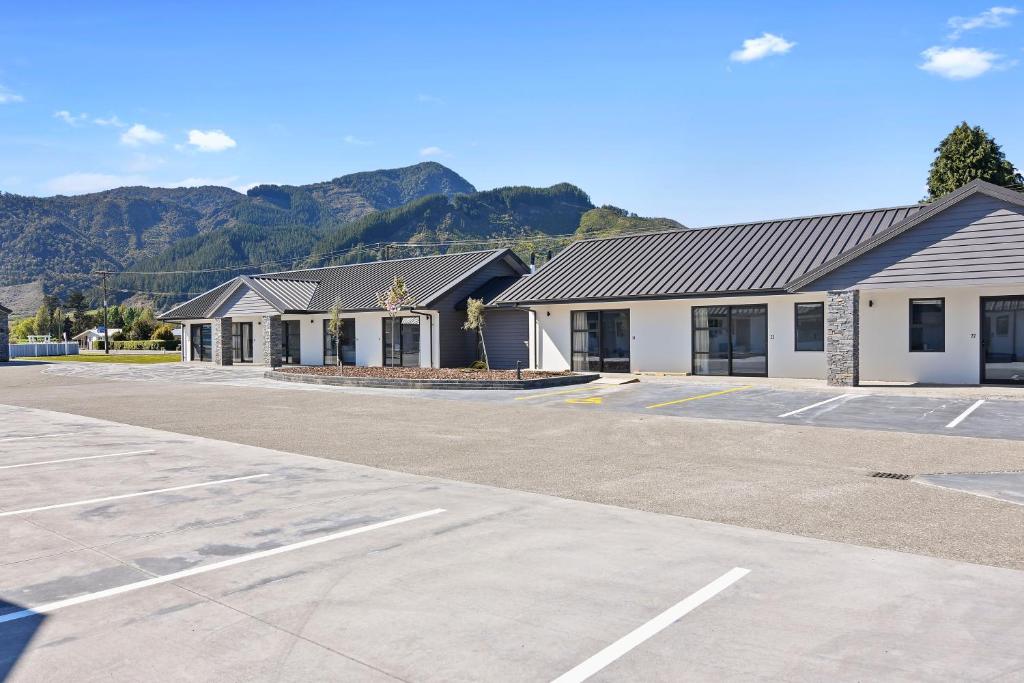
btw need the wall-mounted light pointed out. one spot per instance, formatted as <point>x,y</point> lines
<point>549,314</point>
<point>870,303</point>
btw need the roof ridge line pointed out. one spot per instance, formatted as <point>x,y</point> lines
<point>389,260</point>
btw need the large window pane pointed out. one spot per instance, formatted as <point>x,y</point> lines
<point>202,342</point>
<point>348,343</point>
<point>927,325</point>
<point>291,342</point>
<point>749,340</point>
<point>1003,340</point>
<point>810,327</point>
<point>600,341</point>
<point>730,340</point>
<point>402,342</point>
<point>615,341</point>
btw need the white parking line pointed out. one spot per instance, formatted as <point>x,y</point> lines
<point>962,416</point>
<point>659,623</point>
<point>35,436</point>
<point>131,495</point>
<point>157,580</point>
<point>85,457</point>
<point>819,403</point>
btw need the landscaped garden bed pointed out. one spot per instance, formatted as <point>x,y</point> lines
<point>427,378</point>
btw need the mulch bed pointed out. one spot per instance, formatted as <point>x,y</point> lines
<point>460,374</point>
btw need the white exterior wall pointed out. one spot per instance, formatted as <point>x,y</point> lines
<point>661,335</point>
<point>885,335</point>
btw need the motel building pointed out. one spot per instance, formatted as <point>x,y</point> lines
<point>277,319</point>
<point>928,293</point>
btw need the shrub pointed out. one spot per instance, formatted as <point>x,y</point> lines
<point>139,345</point>
<point>164,332</point>
<point>478,365</point>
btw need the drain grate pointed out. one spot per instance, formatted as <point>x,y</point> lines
<point>890,475</point>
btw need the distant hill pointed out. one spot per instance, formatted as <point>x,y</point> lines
<point>58,241</point>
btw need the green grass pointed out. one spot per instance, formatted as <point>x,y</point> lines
<point>142,358</point>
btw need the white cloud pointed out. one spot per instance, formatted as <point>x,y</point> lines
<point>959,63</point>
<point>759,48</point>
<point>996,17</point>
<point>353,140</point>
<point>110,121</point>
<point>83,183</point>
<point>431,151</point>
<point>69,118</point>
<point>8,97</point>
<point>139,135</point>
<point>210,140</point>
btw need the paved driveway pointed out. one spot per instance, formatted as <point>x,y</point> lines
<point>874,409</point>
<point>136,554</point>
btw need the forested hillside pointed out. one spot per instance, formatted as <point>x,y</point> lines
<point>157,239</point>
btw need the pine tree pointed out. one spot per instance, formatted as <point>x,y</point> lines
<point>966,154</point>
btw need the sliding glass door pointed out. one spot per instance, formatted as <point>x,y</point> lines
<point>600,341</point>
<point>730,340</point>
<point>241,342</point>
<point>348,343</point>
<point>291,342</point>
<point>201,338</point>
<point>401,342</point>
<point>1002,340</point>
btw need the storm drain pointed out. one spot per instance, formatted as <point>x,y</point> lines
<point>890,475</point>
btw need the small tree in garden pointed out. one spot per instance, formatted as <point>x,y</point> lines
<point>393,301</point>
<point>476,320</point>
<point>337,330</point>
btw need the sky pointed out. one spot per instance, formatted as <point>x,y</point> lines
<point>707,113</point>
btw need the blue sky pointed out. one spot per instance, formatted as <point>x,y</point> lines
<point>660,108</point>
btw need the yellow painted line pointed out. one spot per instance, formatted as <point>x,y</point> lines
<point>556,393</point>
<point>694,398</point>
<point>591,400</point>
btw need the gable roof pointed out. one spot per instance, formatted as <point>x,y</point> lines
<point>354,287</point>
<point>4,309</point>
<point>928,211</point>
<point>762,257</point>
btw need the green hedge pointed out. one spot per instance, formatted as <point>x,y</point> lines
<point>146,345</point>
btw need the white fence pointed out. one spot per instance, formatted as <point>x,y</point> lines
<point>53,349</point>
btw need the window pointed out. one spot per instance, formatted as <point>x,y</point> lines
<point>810,327</point>
<point>290,342</point>
<point>927,324</point>
<point>600,341</point>
<point>401,342</point>
<point>348,343</point>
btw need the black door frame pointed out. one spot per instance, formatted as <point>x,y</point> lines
<point>981,346</point>
<point>600,335</point>
<point>728,309</point>
<point>401,346</point>
<point>241,342</point>
<point>328,334</point>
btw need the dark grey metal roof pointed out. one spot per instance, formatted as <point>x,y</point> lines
<point>728,259</point>
<point>4,309</point>
<point>353,287</point>
<point>489,290</point>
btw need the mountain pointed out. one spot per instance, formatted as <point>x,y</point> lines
<point>53,244</point>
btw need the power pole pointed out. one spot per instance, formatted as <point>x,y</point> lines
<point>106,335</point>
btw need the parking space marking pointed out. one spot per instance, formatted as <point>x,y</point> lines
<point>694,398</point>
<point>585,400</point>
<point>215,482</point>
<point>586,387</point>
<point>962,416</point>
<point>588,668</point>
<point>166,578</point>
<point>85,457</point>
<point>34,436</point>
<point>819,403</point>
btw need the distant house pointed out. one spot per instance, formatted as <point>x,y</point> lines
<point>929,293</point>
<point>282,318</point>
<point>4,334</point>
<point>93,339</point>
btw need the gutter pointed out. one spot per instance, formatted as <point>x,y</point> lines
<point>430,319</point>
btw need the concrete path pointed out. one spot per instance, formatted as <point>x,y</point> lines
<point>136,554</point>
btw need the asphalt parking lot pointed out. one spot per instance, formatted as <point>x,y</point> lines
<point>134,553</point>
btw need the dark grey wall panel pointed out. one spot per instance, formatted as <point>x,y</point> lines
<point>506,334</point>
<point>978,241</point>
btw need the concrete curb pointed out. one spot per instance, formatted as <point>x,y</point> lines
<point>382,383</point>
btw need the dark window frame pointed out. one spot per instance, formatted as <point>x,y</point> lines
<point>286,350</point>
<point>729,312</point>
<point>911,324</point>
<point>327,335</point>
<point>796,326</point>
<point>600,335</point>
<point>982,374</point>
<point>401,347</point>
<point>192,328</point>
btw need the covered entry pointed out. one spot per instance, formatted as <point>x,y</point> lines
<point>1002,340</point>
<point>730,340</point>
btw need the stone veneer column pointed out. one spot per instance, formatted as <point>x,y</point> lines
<point>4,339</point>
<point>842,338</point>
<point>273,340</point>
<point>223,353</point>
